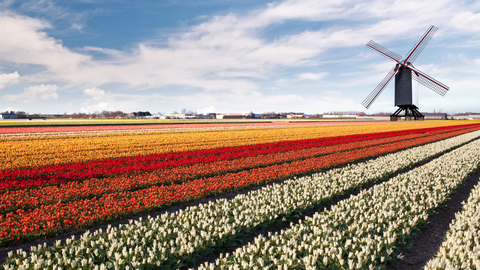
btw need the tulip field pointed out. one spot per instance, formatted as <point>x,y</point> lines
<point>386,180</point>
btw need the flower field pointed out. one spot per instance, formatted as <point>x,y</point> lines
<point>461,246</point>
<point>54,184</point>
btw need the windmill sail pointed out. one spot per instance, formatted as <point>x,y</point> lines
<point>404,94</point>
<point>418,48</point>
<point>429,82</point>
<point>384,51</point>
<point>378,90</point>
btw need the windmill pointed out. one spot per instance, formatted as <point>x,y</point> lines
<point>404,72</point>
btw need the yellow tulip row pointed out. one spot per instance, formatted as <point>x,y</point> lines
<point>33,152</point>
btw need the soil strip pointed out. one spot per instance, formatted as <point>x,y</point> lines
<point>427,243</point>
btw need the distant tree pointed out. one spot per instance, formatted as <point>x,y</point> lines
<point>21,114</point>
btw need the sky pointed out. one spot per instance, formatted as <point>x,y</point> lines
<point>230,56</point>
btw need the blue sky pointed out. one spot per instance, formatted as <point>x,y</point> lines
<point>230,56</point>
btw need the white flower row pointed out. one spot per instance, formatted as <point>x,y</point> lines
<point>176,239</point>
<point>461,248</point>
<point>360,232</point>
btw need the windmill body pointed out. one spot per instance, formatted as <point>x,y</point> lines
<point>406,95</point>
<point>404,92</point>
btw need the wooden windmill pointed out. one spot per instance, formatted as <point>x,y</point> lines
<point>404,72</point>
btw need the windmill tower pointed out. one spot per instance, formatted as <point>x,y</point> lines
<point>404,72</point>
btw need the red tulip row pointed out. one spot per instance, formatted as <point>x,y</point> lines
<point>60,217</point>
<point>23,178</point>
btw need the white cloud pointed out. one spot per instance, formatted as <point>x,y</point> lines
<point>95,93</point>
<point>313,76</point>
<point>25,42</point>
<point>466,21</point>
<point>229,54</point>
<point>99,101</point>
<point>209,109</point>
<point>7,80</point>
<point>34,93</point>
<point>225,52</point>
<point>270,5</point>
<point>99,107</point>
<point>434,70</point>
<point>9,109</point>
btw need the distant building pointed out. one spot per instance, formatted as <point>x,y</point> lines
<point>234,116</point>
<point>154,116</point>
<point>295,115</point>
<point>200,116</point>
<point>471,116</point>
<point>139,114</point>
<point>8,116</point>
<point>175,116</point>
<point>230,116</point>
<point>252,115</point>
<point>316,116</point>
<point>271,115</point>
<point>435,116</point>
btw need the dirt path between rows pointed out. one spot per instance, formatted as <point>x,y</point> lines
<point>431,237</point>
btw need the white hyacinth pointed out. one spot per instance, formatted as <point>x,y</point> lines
<point>461,248</point>
<point>361,232</point>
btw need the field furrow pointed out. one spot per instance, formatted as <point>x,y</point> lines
<point>461,247</point>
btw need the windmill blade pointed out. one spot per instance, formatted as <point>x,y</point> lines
<point>378,90</point>
<point>418,48</point>
<point>384,51</point>
<point>428,81</point>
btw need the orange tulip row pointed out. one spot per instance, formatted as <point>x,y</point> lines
<point>43,151</point>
